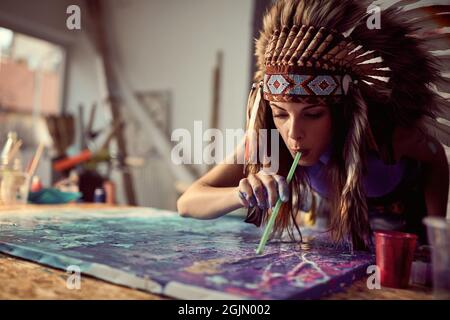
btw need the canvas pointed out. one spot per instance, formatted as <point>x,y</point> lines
<point>162,253</point>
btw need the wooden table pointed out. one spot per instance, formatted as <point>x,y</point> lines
<point>20,279</point>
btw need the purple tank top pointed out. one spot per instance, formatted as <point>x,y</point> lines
<point>379,180</point>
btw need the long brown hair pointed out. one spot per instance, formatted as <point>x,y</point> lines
<point>300,185</point>
<point>347,202</point>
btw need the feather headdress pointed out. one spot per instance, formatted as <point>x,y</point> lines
<point>398,74</point>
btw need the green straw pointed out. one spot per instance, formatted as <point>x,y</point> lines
<point>274,214</point>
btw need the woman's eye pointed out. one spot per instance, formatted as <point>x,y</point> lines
<point>280,115</point>
<point>314,115</point>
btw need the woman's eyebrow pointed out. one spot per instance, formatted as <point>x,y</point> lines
<point>313,106</point>
<point>274,105</point>
<point>305,108</point>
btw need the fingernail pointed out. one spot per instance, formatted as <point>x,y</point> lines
<point>261,206</point>
<point>267,203</point>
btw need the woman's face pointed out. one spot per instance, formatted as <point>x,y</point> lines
<point>304,127</point>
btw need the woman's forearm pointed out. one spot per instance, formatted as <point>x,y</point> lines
<point>206,202</point>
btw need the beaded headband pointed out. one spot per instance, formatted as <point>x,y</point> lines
<point>303,61</point>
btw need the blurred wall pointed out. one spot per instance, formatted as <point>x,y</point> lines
<point>172,44</point>
<point>158,45</point>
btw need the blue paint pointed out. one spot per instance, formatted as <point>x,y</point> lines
<point>153,250</point>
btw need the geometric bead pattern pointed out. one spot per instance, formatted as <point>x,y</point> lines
<point>299,81</point>
<point>302,85</point>
<point>277,83</point>
<point>322,85</point>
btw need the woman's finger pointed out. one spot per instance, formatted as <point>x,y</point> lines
<point>258,191</point>
<point>246,192</point>
<point>243,199</point>
<point>283,187</point>
<point>271,186</point>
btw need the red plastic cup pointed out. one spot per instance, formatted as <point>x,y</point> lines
<point>394,256</point>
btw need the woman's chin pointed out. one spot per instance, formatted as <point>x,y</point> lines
<point>307,160</point>
<point>306,163</point>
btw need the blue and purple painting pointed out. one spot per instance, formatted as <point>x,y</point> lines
<point>160,252</point>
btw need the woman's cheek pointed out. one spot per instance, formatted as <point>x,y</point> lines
<point>323,130</point>
<point>284,132</point>
<point>282,129</point>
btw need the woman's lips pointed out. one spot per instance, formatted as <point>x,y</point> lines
<point>304,152</point>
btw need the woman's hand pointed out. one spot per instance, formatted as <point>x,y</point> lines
<point>263,189</point>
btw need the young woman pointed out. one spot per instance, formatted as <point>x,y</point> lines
<point>358,103</point>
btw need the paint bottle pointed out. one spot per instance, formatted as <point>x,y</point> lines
<point>99,195</point>
<point>110,190</point>
<point>10,141</point>
<point>36,184</point>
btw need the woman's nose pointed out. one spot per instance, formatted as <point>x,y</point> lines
<point>296,130</point>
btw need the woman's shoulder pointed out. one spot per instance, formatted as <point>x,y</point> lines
<point>413,142</point>
<point>403,138</point>
<point>396,143</point>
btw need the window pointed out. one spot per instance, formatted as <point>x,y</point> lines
<point>31,74</point>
